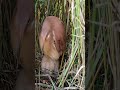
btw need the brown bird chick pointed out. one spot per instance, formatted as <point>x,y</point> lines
<point>52,43</point>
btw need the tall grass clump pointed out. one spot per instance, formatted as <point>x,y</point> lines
<point>103,46</point>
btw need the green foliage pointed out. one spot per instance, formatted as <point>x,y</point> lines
<point>102,47</point>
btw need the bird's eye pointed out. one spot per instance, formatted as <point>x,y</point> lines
<point>54,41</point>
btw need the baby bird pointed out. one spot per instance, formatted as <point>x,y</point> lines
<point>52,43</point>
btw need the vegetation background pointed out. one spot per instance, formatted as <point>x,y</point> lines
<point>102,45</point>
<point>8,65</point>
<point>102,51</point>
